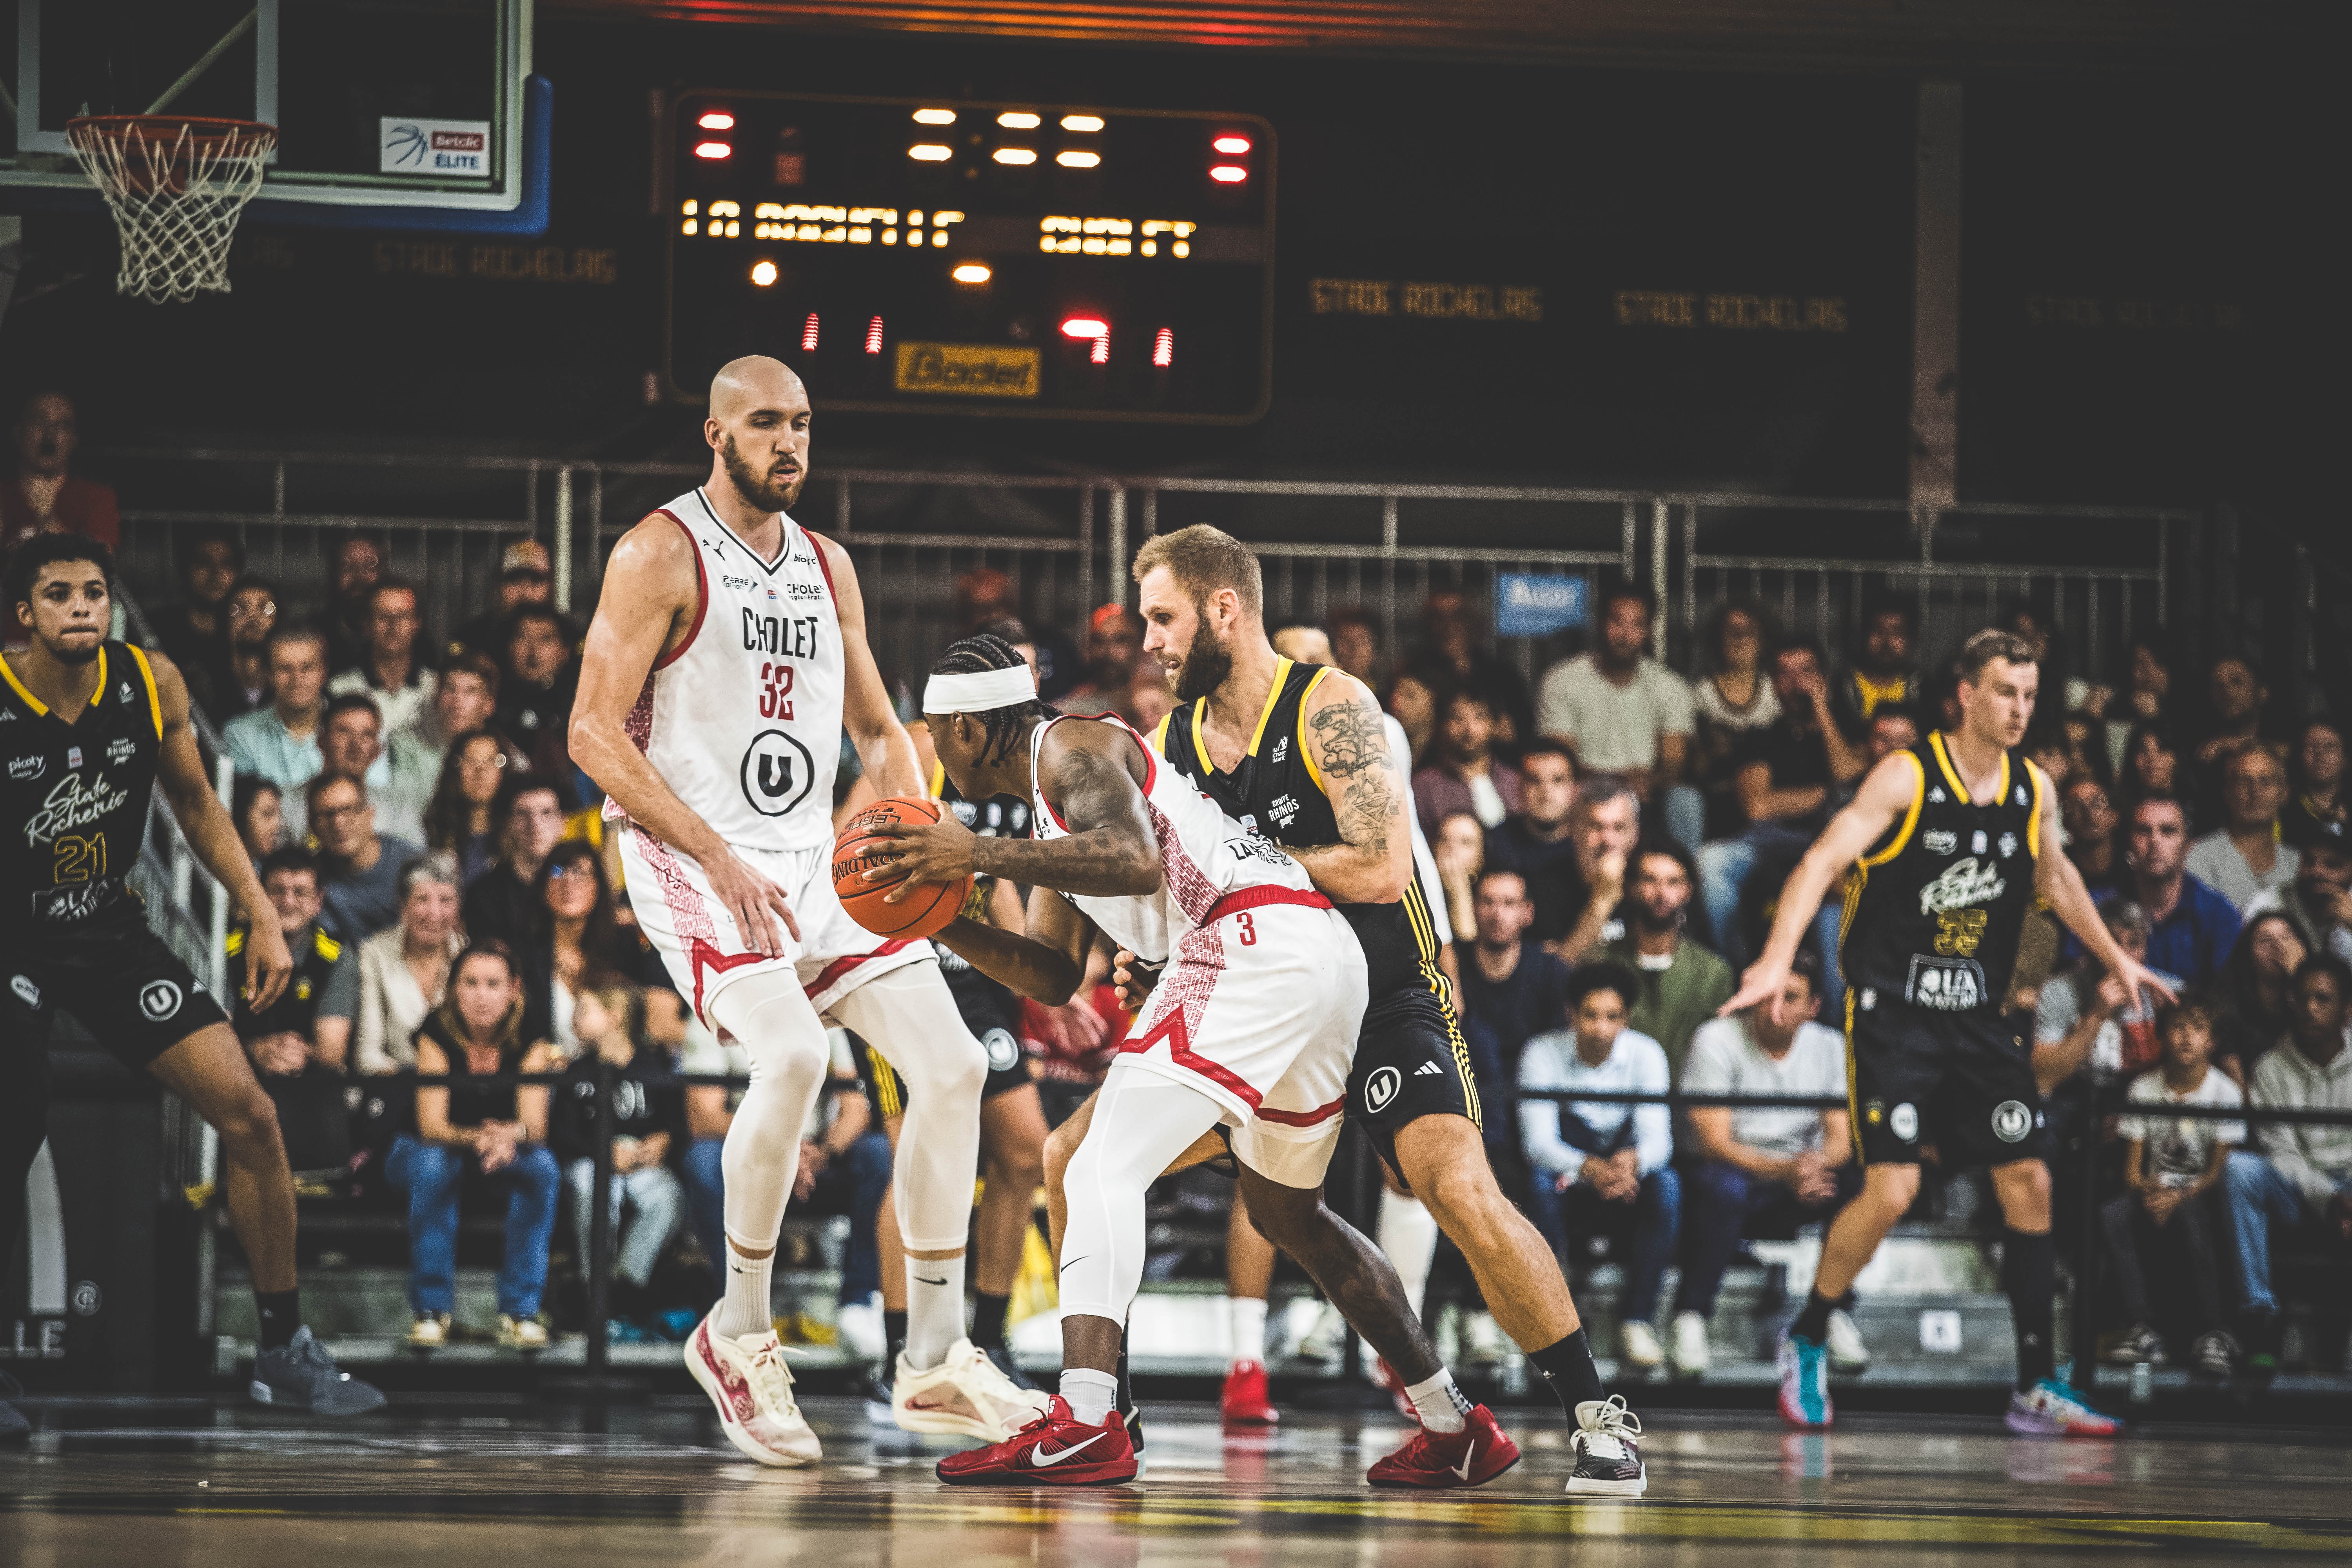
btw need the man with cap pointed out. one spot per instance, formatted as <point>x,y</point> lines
<point>2318,903</point>
<point>525,577</point>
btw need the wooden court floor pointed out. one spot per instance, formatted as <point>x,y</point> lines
<point>518,1484</point>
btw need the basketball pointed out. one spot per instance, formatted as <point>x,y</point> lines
<point>858,849</point>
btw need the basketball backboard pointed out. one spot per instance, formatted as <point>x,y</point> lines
<point>389,112</point>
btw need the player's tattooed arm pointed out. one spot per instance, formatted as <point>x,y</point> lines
<point>1347,740</point>
<point>1090,774</point>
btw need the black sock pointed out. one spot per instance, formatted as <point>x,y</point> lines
<point>281,1314</point>
<point>894,1330</point>
<point>2029,1273</point>
<point>1124,1399</point>
<point>1567,1367</point>
<point>988,1320</point>
<point>1813,1320</point>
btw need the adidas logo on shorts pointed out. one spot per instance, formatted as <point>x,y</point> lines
<point>1428,1070</point>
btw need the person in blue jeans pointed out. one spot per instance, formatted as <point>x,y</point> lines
<point>1601,1166</point>
<point>2301,1179</point>
<point>467,1132</point>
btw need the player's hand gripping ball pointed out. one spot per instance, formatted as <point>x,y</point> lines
<point>909,842</point>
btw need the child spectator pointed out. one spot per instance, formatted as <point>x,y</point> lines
<point>2170,1163</point>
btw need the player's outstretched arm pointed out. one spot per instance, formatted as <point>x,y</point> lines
<point>2061,887</point>
<point>212,834</point>
<point>1885,796</point>
<point>650,596</point>
<point>1046,965</point>
<point>1347,740</point>
<point>865,711</point>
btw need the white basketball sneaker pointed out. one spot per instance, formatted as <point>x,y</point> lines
<point>966,1396</point>
<point>747,1381</point>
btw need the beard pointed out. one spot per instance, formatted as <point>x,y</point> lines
<point>1205,667</point>
<point>758,487</point>
<point>1657,922</point>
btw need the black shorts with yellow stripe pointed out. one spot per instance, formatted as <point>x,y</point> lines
<point>987,1012</point>
<point>1411,1062</point>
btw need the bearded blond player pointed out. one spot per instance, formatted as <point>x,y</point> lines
<point>726,659</point>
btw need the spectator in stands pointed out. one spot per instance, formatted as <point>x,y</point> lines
<point>1882,671</point>
<point>2319,901</point>
<point>2190,926</point>
<point>281,743</point>
<point>352,580</point>
<point>2256,994</point>
<point>458,818</point>
<point>405,971</point>
<point>252,611</point>
<point>1895,727</point>
<point>1787,778</point>
<point>392,670</point>
<point>1682,985</point>
<point>983,595</point>
<point>350,742</point>
<point>2151,764</point>
<point>1356,643</point>
<point>1459,852</point>
<point>193,629</point>
<point>2086,751</point>
<point>299,1045</point>
<point>577,945</point>
<point>1732,700</point>
<point>1608,824</point>
<point>1417,706</point>
<point>1451,656</point>
<point>524,578</point>
<point>2234,695</point>
<point>465,699</point>
<point>1511,991</point>
<point>1601,1166</point>
<point>2087,1017</point>
<point>1466,775</point>
<point>536,688</point>
<point>1114,649</point>
<point>1622,712</point>
<point>1763,1169</point>
<point>2171,1165</point>
<point>466,1131</point>
<point>2247,854</point>
<point>2089,813</point>
<point>260,819</point>
<point>360,867</point>
<point>1302,642</point>
<point>2063,690</point>
<point>645,1200</point>
<point>503,901</point>
<point>1539,843</point>
<point>46,497</point>
<point>2319,795</point>
<point>2297,1177</point>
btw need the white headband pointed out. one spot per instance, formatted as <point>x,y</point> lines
<point>980,691</point>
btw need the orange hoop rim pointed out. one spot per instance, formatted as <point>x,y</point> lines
<point>197,128</point>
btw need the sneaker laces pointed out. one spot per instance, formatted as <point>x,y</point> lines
<point>771,1380</point>
<point>1612,1425</point>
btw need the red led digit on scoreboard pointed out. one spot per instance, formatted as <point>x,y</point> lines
<point>808,334</point>
<point>1163,348</point>
<point>874,336</point>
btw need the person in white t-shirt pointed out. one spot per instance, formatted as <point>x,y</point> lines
<point>1625,713</point>
<point>2170,1165</point>
<point>1765,1168</point>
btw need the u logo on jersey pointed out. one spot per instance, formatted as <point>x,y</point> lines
<point>777,772</point>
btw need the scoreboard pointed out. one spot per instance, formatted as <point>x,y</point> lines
<point>933,255</point>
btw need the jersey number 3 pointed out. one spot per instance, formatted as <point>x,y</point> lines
<point>775,692</point>
<point>1247,923</point>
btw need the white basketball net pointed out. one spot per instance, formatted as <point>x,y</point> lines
<point>175,191</point>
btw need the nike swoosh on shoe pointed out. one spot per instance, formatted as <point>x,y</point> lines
<point>1462,1469</point>
<point>1039,1458</point>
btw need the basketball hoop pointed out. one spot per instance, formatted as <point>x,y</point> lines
<point>175,187</point>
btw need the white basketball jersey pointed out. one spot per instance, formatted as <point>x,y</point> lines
<point>744,719</point>
<point>1203,852</point>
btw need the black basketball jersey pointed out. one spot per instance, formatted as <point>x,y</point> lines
<point>1934,909</point>
<point>75,803</point>
<point>1277,790</point>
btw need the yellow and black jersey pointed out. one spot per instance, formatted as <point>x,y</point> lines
<point>1934,909</point>
<point>76,796</point>
<point>1278,790</point>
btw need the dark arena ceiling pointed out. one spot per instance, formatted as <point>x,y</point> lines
<point>1766,34</point>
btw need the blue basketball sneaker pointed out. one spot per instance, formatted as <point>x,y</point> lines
<point>1805,1383</point>
<point>2051,1409</point>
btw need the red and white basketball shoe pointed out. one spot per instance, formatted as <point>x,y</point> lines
<point>749,1383</point>
<point>1056,1449</point>
<point>1246,1402</point>
<point>1470,1457</point>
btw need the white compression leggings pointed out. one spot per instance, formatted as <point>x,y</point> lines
<point>1142,1120</point>
<point>911,1017</point>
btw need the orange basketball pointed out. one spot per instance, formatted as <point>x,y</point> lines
<point>857,850</point>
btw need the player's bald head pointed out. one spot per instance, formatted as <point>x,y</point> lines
<point>753,382</point>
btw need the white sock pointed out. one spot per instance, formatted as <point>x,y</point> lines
<point>746,1310</point>
<point>1408,1233</point>
<point>1439,1404</point>
<point>1088,1394</point>
<point>934,1309</point>
<point>1248,1320</point>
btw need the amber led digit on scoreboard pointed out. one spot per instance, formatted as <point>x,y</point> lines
<point>1001,260</point>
